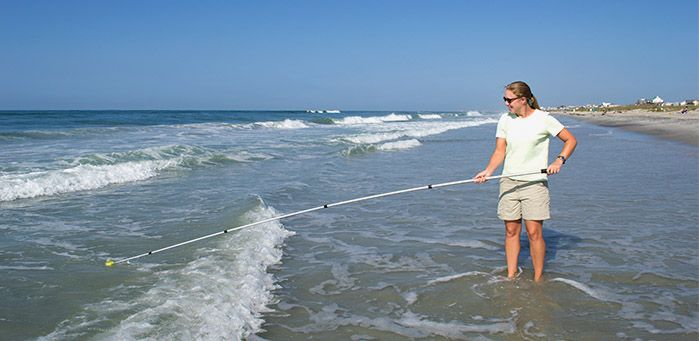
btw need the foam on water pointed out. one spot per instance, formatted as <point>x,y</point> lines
<point>94,171</point>
<point>285,124</point>
<point>429,116</point>
<point>450,278</point>
<point>219,127</point>
<point>353,120</point>
<point>219,295</point>
<point>458,331</point>
<point>586,289</point>
<point>388,146</point>
<point>412,130</point>
<point>408,324</point>
<point>26,268</point>
<point>398,145</point>
<point>79,178</point>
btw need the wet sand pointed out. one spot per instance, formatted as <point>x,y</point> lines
<point>668,125</point>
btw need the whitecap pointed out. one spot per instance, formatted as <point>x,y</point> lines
<point>429,116</point>
<point>286,124</point>
<point>413,130</point>
<point>78,178</point>
<point>98,170</point>
<point>353,120</point>
<point>406,144</point>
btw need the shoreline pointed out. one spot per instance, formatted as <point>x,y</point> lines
<point>666,125</point>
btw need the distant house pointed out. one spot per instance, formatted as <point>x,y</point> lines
<point>657,100</point>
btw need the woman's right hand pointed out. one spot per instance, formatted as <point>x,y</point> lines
<point>481,177</point>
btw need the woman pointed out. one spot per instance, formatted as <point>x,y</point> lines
<point>522,142</point>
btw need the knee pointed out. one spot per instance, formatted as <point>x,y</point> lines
<point>535,236</point>
<point>513,230</point>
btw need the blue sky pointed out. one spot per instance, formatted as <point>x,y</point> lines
<point>349,55</point>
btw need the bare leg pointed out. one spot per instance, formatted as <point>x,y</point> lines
<point>513,229</point>
<point>537,246</point>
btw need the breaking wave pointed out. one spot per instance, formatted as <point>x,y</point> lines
<point>220,295</point>
<point>95,171</point>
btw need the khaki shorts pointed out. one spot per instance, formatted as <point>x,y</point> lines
<point>528,200</point>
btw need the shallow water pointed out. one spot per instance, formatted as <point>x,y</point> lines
<point>81,187</point>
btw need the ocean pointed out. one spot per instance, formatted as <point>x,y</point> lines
<point>80,187</point>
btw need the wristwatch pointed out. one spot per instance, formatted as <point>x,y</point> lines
<point>563,158</point>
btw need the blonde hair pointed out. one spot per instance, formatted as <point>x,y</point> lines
<point>521,89</point>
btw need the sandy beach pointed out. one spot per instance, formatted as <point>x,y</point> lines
<point>669,125</point>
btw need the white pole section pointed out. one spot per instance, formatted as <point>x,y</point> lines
<point>110,262</point>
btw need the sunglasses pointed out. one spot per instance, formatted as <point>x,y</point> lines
<point>509,100</point>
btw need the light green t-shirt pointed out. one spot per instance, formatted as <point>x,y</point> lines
<point>527,142</point>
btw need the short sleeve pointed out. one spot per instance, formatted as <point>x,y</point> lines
<point>553,126</point>
<point>501,131</point>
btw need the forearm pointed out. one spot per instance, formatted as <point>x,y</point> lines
<point>568,148</point>
<point>495,161</point>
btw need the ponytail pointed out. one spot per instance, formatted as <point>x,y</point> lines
<point>521,89</point>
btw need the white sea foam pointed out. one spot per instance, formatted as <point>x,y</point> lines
<point>410,297</point>
<point>413,130</point>
<point>429,116</point>
<point>352,120</point>
<point>375,138</point>
<point>455,330</point>
<point>405,144</point>
<point>25,268</point>
<point>450,278</point>
<point>408,325</point>
<point>95,171</point>
<point>220,295</point>
<point>286,124</point>
<point>342,281</point>
<point>78,178</point>
<point>473,113</point>
<point>586,289</point>
<point>220,126</point>
<point>472,244</point>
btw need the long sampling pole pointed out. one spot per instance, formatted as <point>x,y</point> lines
<point>110,262</point>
